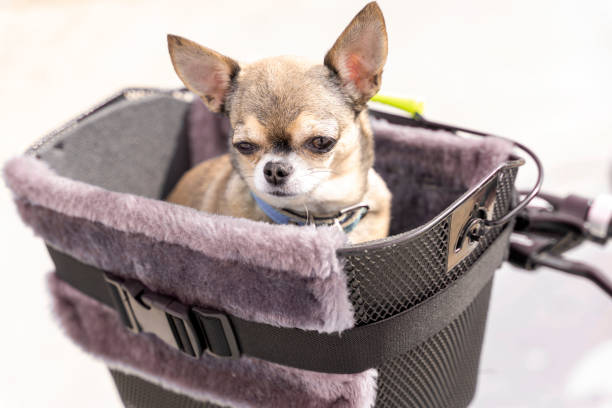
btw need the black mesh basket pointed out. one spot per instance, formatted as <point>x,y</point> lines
<point>400,273</point>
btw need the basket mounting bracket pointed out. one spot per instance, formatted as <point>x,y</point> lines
<point>468,222</point>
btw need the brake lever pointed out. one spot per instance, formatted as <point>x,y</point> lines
<point>542,235</point>
<point>575,268</point>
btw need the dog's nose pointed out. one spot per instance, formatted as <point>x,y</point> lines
<point>276,173</point>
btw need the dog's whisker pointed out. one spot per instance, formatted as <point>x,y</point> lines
<point>321,171</point>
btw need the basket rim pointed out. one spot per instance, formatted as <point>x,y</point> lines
<point>402,237</point>
<point>132,93</point>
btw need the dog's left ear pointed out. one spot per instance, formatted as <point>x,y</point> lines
<point>359,54</point>
<point>205,72</point>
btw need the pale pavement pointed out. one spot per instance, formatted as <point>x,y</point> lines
<point>536,71</point>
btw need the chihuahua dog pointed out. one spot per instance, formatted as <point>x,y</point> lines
<point>301,149</point>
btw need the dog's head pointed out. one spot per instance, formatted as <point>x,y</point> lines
<point>300,132</point>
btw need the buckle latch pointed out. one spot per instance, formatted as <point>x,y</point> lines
<point>191,331</point>
<point>220,338</point>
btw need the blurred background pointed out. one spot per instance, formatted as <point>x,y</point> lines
<point>536,71</point>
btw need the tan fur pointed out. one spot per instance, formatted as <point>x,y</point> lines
<point>279,105</point>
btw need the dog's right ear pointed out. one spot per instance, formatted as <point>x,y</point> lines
<point>205,72</point>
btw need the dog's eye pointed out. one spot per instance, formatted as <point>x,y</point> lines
<point>246,147</point>
<point>320,144</point>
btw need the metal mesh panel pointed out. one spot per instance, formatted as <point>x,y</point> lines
<point>387,280</point>
<point>505,191</point>
<point>138,393</point>
<point>442,371</point>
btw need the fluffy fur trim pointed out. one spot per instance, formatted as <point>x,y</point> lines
<point>245,382</point>
<point>282,275</point>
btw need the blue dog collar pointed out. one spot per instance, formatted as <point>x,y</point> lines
<point>271,212</point>
<point>347,219</point>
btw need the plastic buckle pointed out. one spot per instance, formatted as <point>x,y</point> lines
<point>220,338</point>
<point>190,330</point>
<point>148,312</point>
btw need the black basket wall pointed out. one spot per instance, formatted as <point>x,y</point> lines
<point>135,147</point>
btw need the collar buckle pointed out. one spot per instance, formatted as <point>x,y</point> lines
<point>361,205</point>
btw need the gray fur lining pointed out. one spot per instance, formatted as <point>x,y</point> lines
<point>209,260</point>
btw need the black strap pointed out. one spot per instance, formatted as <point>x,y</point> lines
<point>352,351</point>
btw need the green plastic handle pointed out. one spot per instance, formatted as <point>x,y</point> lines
<point>409,105</point>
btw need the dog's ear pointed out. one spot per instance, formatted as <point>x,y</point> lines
<point>203,71</point>
<point>359,54</point>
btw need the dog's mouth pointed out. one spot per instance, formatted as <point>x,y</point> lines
<point>278,193</point>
